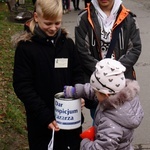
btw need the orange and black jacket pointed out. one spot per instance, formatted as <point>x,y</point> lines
<point>88,35</point>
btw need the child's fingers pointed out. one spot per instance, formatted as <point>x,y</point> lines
<point>54,126</point>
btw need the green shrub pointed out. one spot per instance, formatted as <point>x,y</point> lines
<point>12,114</point>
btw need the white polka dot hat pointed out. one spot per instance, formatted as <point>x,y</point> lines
<point>108,77</point>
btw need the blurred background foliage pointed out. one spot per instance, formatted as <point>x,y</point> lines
<point>13,135</point>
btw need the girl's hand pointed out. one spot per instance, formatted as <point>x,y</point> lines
<point>69,91</point>
<point>54,126</point>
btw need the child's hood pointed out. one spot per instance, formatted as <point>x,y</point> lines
<point>128,111</point>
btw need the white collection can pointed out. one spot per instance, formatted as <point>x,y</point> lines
<point>67,112</point>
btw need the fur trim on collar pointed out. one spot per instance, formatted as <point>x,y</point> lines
<point>126,94</point>
<point>26,36</point>
<point>21,36</point>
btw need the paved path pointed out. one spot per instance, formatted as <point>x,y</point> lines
<point>142,9</point>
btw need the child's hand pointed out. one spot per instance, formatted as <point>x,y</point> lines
<point>69,91</point>
<point>54,126</point>
<point>89,133</point>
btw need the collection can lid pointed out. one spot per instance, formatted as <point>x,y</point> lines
<point>61,96</point>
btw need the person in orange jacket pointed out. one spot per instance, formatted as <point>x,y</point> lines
<point>106,29</point>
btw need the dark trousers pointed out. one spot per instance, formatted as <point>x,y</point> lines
<point>76,4</point>
<point>65,4</point>
<point>63,139</point>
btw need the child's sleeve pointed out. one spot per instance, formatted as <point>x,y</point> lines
<point>84,91</point>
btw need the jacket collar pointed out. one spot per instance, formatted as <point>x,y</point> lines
<point>123,13</point>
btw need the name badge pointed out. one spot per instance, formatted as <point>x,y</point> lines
<point>61,62</point>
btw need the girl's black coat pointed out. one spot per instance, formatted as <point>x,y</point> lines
<point>36,81</point>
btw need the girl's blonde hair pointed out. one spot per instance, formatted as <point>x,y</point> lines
<point>47,9</point>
